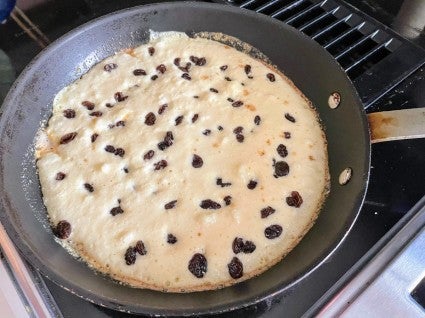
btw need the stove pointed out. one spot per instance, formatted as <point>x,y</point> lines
<point>380,44</point>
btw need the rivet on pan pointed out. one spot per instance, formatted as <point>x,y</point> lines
<point>345,176</point>
<point>334,100</point>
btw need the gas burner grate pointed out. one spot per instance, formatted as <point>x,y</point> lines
<point>373,56</point>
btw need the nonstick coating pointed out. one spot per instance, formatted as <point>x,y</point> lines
<point>30,100</point>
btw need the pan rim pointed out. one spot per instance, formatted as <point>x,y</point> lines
<point>32,257</point>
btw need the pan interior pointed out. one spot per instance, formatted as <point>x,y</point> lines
<point>29,103</point>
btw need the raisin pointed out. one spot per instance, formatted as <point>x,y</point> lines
<point>170,205</point>
<point>199,61</point>
<point>271,77</point>
<point>248,247</point>
<point>273,231</point>
<point>109,105</point>
<point>177,61</point>
<point>96,114</point>
<point>240,137</point>
<point>267,211</point>
<point>110,148</point>
<point>197,161</point>
<point>88,187</point>
<point>185,68</point>
<point>160,164</point>
<point>290,118</point>
<point>238,103</point>
<point>125,170</point>
<point>235,268</point>
<point>140,248</point>
<point>237,245</point>
<point>238,130</point>
<point>252,184</point>
<point>119,152</point>
<point>282,151</point>
<point>139,72</point>
<point>230,100</point>
<point>198,265</point>
<point>287,134</point>
<point>247,69</point>
<point>116,210</point>
<point>219,182</point>
<point>69,113</point>
<point>130,256</point>
<point>88,105</point>
<point>213,90</point>
<point>162,108</point>
<point>281,169</point>
<point>62,229</point>
<point>120,97</point>
<point>195,118</point>
<point>163,145</point>
<point>94,137</point>
<point>167,142</point>
<point>150,119</point>
<point>195,96</point>
<point>250,77</point>
<point>227,78</point>
<point>120,123</point>
<point>186,76</point>
<point>154,77</point>
<point>148,155</point>
<point>171,239</point>
<point>161,68</point>
<point>294,199</point>
<point>151,50</point>
<point>227,199</point>
<point>206,132</point>
<point>60,176</point>
<point>223,68</point>
<point>67,138</point>
<point>220,128</point>
<point>109,67</point>
<point>210,205</point>
<point>257,120</point>
<point>179,120</point>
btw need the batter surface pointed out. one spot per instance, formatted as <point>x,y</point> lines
<point>182,165</point>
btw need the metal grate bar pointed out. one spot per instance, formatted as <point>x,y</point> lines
<point>331,26</point>
<point>366,56</point>
<point>355,45</point>
<point>247,3</point>
<point>286,9</point>
<point>344,35</point>
<point>267,5</point>
<point>317,19</point>
<point>300,14</point>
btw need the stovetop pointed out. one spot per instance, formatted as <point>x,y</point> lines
<point>397,173</point>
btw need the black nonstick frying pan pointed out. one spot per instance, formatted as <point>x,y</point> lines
<point>310,67</point>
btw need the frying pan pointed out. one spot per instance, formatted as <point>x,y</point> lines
<point>310,67</point>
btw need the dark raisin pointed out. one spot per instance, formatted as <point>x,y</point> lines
<point>282,151</point>
<point>257,120</point>
<point>162,108</point>
<point>148,155</point>
<point>140,248</point>
<point>220,128</point>
<point>247,69</point>
<point>150,119</point>
<point>248,247</point>
<point>120,97</point>
<point>243,84</point>
<point>177,61</point>
<point>227,78</point>
<point>88,187</point>
<point>151,50</point>
<point>281,169</point>
<point>267,211</point>
<point>116,210</point>
<point>186,76</point>
<point>60,176</point>
<point>109,105</point>
<point>185,68</point>
<point>88,105</point>
<point>252,184</point>
<point>197,161</point>
<point>223,68</point>
<point>271,77</point>
<point>120,123</point>
<point>294,199</point>
<point>206,132</point>
<point>67,138</point>
<point>94,137</point>
<point>198,265</point>
<point>238,103</point>
<point>273,231</point>
<point>96,114</point>
<point>238,130</point>
<point>290,118</point>
<point>220,182</point>
<point>119,152</point>
<point>195,96</point>
<point>125,170</point>
<point>171,239</point>
<point>250,77</point>
<point>213,90</point>
<point>161,68</point>
<point>235,268</point>
<point>287,134</point>
<point>170,205</point>
<point>195,118</point>
<point>160,164</point>
<point>178,120</point>
<point>139,72</point>
<point>227,199</point>
<point>110,126</point>
<point>69,113</point>
<point>240,137</point>
<point>167,142</point>
<point>109,67</point>
<point>62,229</point>
<point>210,204</point>
<point>130,256</point>
<point>237,245</point>
<point>199,61</point>
<point>230,100</point>
<point>162,145</point>
<point>110,148</point>
<point>154,77</point>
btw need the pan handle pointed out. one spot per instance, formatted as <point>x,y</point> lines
<point>397,124</point>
